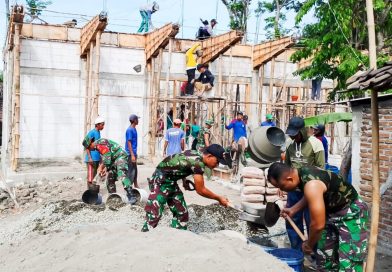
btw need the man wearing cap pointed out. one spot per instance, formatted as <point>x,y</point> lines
<point>164,188</point>
<point>174,139</point>
<point>203,140</point>
<point>131,148</point>
<point>92,157</point>
<point>114,164</point>
<point>268,122</point>
<point>238,126</point>
<point>303,151</point>
<point>205,82</point>
<point>318,132</point>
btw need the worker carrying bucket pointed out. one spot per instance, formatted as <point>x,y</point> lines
<point>114,164</point>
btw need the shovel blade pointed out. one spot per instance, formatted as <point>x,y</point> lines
<point>272,214</point>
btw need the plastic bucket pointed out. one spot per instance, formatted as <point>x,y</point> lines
<point>292,257</point>
<point>332,168</point>
<point>265,144</point>
<point>92,197</point>
<point>141,195</point>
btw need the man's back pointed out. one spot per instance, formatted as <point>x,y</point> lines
<point>174,137</point>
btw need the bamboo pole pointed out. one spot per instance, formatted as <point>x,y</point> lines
<point>375,214</point>
<point>153,110</point>
<point>165,106</point>
<point>86,99</point>
<point>156,99</point>
<point>96,75</point>
<point>16,89</point>
<point>261,87</point>
<point>271,86</point>
<point>89,86</point>
<point>174,96</point>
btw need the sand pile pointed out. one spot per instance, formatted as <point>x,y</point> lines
<point>117,247</point>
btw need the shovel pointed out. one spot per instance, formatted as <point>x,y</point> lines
<point>272,214</point>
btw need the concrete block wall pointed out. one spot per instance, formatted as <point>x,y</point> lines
<point>385,117</point>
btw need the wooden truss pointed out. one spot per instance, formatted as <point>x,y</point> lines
<point>159,39</point>
<point>217,45</point>
<point>17,16</point>
<point>263,53</point>
<point>89,32</point>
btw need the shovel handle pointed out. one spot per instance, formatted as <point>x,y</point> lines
<point>300,234</point>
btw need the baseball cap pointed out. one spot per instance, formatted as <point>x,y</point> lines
<point>319,126</point>
<point>219,152</point>
<point>269,116</point>
<point>240,113</point>
<point>177,121</point>
<point>209,122</point>
<point>133,117</point>
<point>295,125</point>
<point>99,120</point>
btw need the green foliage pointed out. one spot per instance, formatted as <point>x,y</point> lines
<point>238,12</point>
<point>338,40</point>
<point>274,24</point>
<point>35,7</point>
<point>1,77</point>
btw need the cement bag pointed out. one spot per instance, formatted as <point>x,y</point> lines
<point>269,185</point>
<point>271,191</point>
<point>272,198</point>
<point>252,172</point>
<point>249,190</point>
<point>253,182</point>
<point>252,198</point>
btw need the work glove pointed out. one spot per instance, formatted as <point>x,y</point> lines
<point>131,196</point>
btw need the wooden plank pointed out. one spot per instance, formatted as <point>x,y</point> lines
<point>131,40</point>
<point>96,74</point>
<point>89,32</point>
<point>217,45</point>
<point>159,39</point>
<point>266,51</point>
<point>165,107</point>
<point>16,17</point>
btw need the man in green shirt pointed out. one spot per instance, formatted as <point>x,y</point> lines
<point>165,190</point>
<point>339,218</point>
<point>203,140</point>
<point>303,150</point>
<point>114,164</point>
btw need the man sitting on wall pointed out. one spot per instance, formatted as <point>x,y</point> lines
<point>205,82</point>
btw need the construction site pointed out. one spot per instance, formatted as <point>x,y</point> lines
<point>58,79</point>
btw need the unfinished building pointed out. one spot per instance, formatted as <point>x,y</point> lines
<point>59,78</point>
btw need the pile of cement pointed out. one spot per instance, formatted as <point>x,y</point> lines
<point>117,247</point>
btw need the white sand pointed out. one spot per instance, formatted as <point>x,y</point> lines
<point>119,248</point>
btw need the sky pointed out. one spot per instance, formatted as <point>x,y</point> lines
<point>124,15</point>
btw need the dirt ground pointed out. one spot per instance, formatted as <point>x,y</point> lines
<point>57,232</point>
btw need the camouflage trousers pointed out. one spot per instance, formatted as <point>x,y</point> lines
<point>165,191</point>
<point>118,172</point>
<point>343,244</point>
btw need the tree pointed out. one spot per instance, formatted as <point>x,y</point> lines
<point>238,13</point>
<point>35,7</point>
<point>337,42</point>
<point>279,8</point>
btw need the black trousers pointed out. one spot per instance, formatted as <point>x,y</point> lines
<point>191,73</point>
<point>132,170</point>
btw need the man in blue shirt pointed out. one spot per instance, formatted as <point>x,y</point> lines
<point>238,126</point>
<point>174,140</point>
<point>318,132</point>
<point>93,158</point>
<point>268,122</point>
<point>131,149</point>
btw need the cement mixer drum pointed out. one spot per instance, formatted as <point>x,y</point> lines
<point>265,144</point>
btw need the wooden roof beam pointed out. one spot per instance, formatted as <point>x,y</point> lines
<point>89,32</point>
<point>159,39</point>
<point>16,17</point>
<point>217,45</point>
<point>262,53</point>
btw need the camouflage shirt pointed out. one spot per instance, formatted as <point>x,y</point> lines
<point>110,151</point>
<point>181,165</point>
<point>339,194</point>
<point>200,138</point>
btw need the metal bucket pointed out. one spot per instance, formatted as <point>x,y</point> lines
<point>141,195</point>
<point>265,144</point>
<point>92,197</point>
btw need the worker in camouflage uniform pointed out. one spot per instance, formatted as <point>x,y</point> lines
<point>204,137</point>
<point>164,188</point>
<point>338,216</point>
<point>114,164</point>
